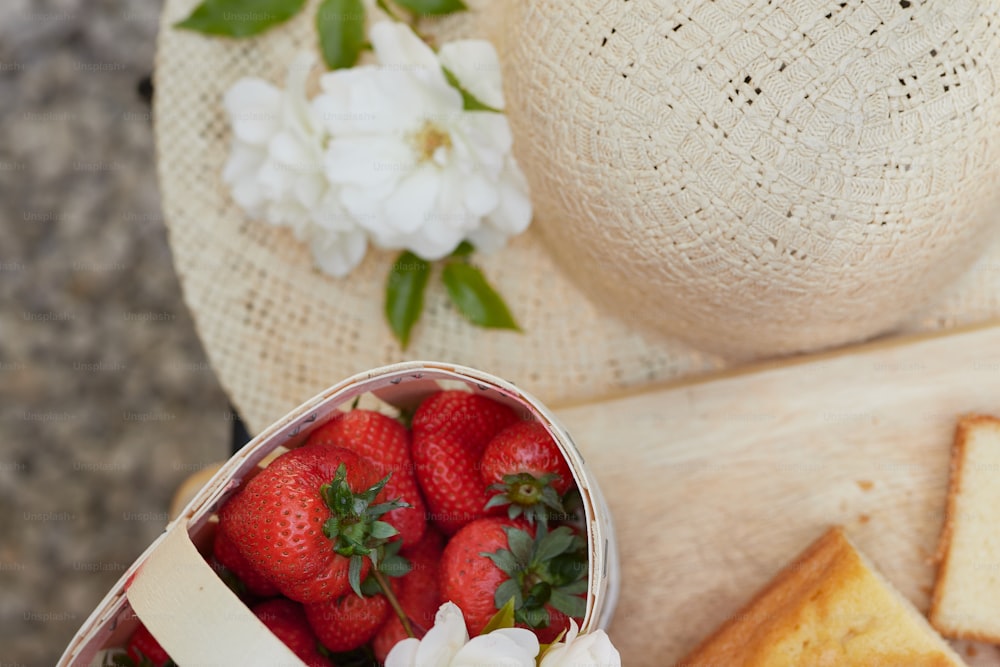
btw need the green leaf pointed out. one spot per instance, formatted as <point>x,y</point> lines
<point>370,587</point>
<point>520,544</point>
<point>394,565</point>
<point>464,249</point>
<point>536,618</point>
<point>508,593</point>
<point>383,531</point>
<point>475,298</point>
<point>571,605</point>
<point>505,561</point>
<point>341,26</point>
<point>404,294</point>
<point>375,511</point>
<point>553,544</point>
<point>576,588</point>
<point>469,101</point>
<point>538,595</point>
<point>432,7</point>
<point>504,618</point>
<point>354,574</point>
<point>551,498</point>
<point>239,18</point>
<point>496,501</point>
<point>371,492</point>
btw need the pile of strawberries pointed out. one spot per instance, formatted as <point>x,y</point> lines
<point>348,544</point>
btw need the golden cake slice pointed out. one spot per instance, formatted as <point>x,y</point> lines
<point>966,601</point>
<point>828,608</point>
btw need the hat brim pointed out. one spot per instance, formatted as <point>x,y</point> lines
<point>277,330</point>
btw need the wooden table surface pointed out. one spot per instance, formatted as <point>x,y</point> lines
<point>715,485</point>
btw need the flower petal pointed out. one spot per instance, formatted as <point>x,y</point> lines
<point>366,100</point>
<point>412,203</point>
<point>254,107</point>
<point>397,46</point>
<point>487,239</point>
<point>368,161</point>
<point>516,647</point>
<point>475,64</point>
<point>248,196</point>
<point>297,110</point>
<point>337,253</point>
<point>444,640</point>
<point>244,161</point>
<point>274,179</point>
<point>309,190</point>
<point>487,137</point>
<point>513,213</point>
<point>403,654</point>
<point>288,150</point>
<point>481,196</point>
<point>434,241</point>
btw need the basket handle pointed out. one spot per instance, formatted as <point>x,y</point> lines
<point>193,614</point>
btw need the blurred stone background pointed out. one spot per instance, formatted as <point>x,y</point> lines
<point>106,399</point>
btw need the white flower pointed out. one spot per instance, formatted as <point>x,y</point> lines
<point>593,649</point>
<point>275,170</point>
<point>410,165</point>
<point>447,644</point>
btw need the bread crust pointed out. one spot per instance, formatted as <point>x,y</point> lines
<point>959,450</point>
<point>764,622</point>
<point>816,555</point>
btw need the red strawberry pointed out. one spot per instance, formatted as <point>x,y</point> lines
<point>145,651</point>
<point>470,417</point>
<point>418,592</point>
<point>386,443</point>
<point>525,470</point>
<point>230,558</point>
<point>306,522</point>
<point>349,621</point>
<point>493,560</point>
<point>450,431</point>
<point>287,621</point>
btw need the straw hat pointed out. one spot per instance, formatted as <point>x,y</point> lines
<point>755,178</point>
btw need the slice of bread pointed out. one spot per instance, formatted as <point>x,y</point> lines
<point>828,608</point>
<point>966,602</point>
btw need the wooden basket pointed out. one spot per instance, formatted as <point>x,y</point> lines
<point>172,589</point>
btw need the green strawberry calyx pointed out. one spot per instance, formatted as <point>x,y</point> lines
<point>527,495</point>
<point>355,524</point>
<point>547,570</point>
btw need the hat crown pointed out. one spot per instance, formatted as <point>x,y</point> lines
<point>759,177</point>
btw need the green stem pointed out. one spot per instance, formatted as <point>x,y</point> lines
<point>393,602</point>
<point>384,6</point>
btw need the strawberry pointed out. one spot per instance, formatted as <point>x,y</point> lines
<point>492,560</point>
<point>144,651</point>
<point>418,592</point>
<point>307,522</point>
<point>386,443</point>
<point>287,621</point>
<point>450,431</point>
<point>230,558</point>
<point>470,417</point>
<point>525,470</point>
<point>347,622</point>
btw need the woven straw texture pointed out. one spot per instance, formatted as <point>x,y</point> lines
<point>760,176</point>
<point>277,331</point>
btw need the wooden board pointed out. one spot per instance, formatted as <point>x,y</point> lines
<point>715,485</point>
